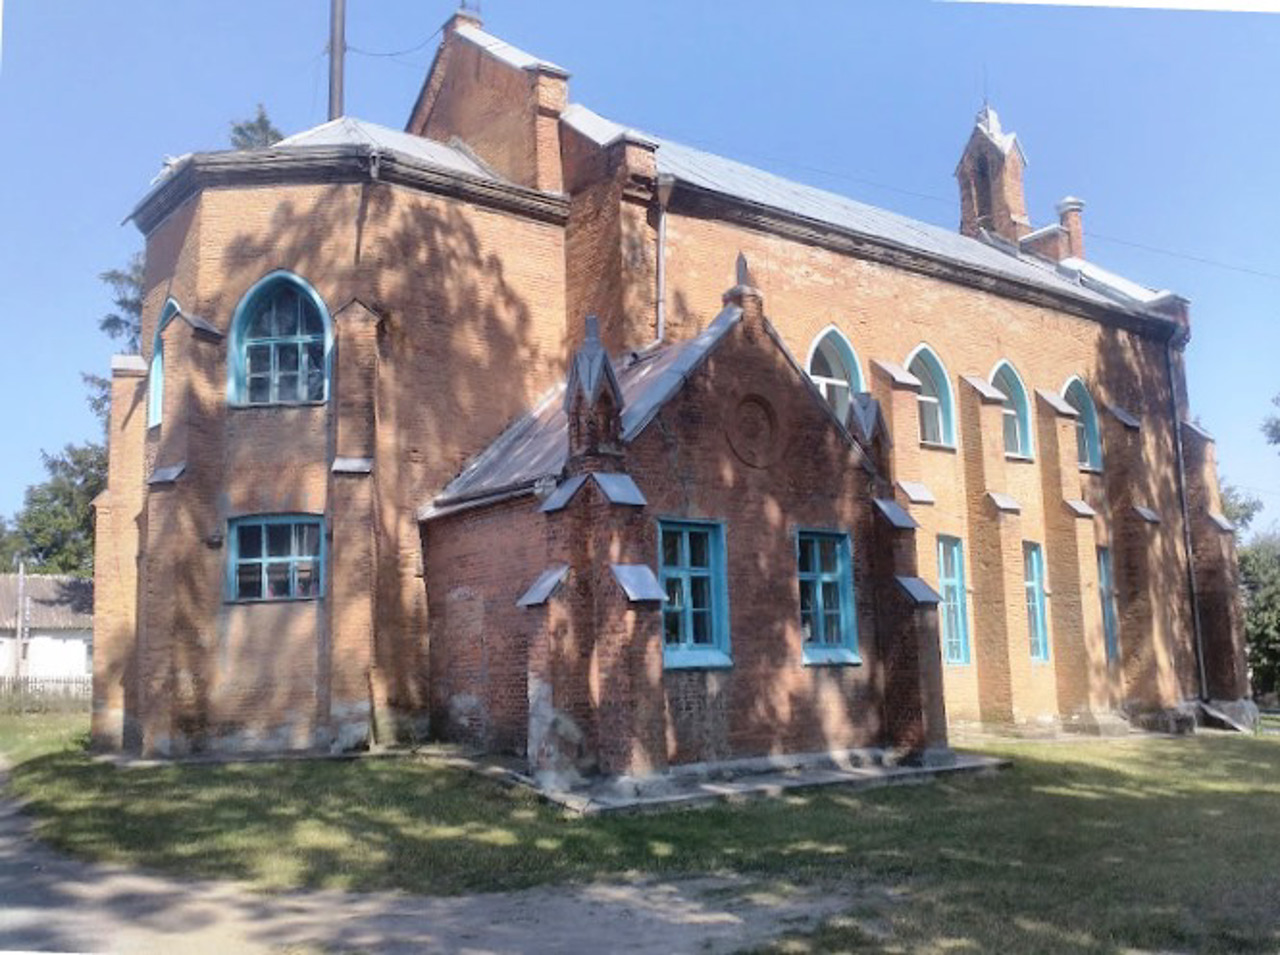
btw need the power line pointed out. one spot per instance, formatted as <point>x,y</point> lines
<point>405,52</point>
<point>1187,256</point>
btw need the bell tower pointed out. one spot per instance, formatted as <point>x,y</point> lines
<point>990,179</point>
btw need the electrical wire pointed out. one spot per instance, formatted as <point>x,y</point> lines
<point>393,53</point>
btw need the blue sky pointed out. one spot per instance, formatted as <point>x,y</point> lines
<point>1164,122</point>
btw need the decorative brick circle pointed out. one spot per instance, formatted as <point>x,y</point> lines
<point>753,432</point>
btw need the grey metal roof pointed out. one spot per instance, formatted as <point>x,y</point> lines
<point>57,602</point>
<point>896,514</point>
<point>1126,418</point>
<point>505,52</point>
<point>620,489</point>
<point>540,590</point>
<point>986,391</point>
<point>898,376</point>
<point>1005,502</point>
<point>1147,514</point>
<point>1057,403</point>
<point>740,181</point>
<point>917,492</point>
<point>349,131</point>
<point>537,444</point>
<point>1080,508</point>
<point>918,590</point>
<point>638,582</point>
<point>1221,522</point>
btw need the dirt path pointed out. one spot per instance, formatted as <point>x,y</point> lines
<point>55,904</point>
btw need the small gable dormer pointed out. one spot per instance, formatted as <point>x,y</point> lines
<point>990,179</point>
<point>593,403</point>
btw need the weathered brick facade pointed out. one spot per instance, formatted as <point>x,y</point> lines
<point>455,264</point>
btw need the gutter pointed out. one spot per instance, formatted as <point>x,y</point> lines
<point>1186,523</point>
<point>665,186</point>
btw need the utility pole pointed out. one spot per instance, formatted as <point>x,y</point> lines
<point>337,53</point>
<point>20,618</point>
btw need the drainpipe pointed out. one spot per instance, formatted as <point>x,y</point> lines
<point>665,185</point>
<point>1186,522</point>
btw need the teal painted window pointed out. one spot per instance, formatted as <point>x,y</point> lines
<point>1107,592</point>
<point>937,419</point>
<point>1017,411</point>
<point>827,618</point>
<point>953,612</point>
<point>1037,623</point>
<point>276,557</point>
<point>695,625</point>
<point>1088,436</point>
<point>833,366</point>
<point>281,342</point>
<point>155,376</point>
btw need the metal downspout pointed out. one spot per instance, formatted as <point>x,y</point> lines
<point>1186,522</point>
<point>665,185</point>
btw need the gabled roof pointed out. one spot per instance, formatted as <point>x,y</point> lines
<point>57,602</point>
<point>735,180</point>
<point>349,131</point>
<point>504,51</point>
<point>987,122</point>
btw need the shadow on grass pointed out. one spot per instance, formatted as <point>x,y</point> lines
<point>1078,848</point>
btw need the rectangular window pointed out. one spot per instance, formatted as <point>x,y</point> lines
<point>824,562</point>
<point>930,419</point>
<point>695,614</point>
<point>277,558</point>
<point>1107,591</point>
<point>955,625</point>
<point>1037,626</point>
<point>1012,432</point>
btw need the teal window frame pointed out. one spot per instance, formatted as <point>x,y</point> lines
<point>1088,434</point>
<point>934,403</point>
<point>827,581</point>
<point>953,610</point>
<point>268,564</point>
<point>1107,594</point>
<point>833,349</point>
<point>155,375</point>
<point>694,567</point>
<point>277,345</point>
<point>1037,618</point>
<point>1019,442</point>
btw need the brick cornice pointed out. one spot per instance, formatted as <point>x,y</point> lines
<point>704,203</point>
<point>337,164</point>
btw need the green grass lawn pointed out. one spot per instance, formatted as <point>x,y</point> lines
<point>1155,845</point>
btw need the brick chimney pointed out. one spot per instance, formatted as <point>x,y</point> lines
<point>1069,217</point>
<point>990,179</point>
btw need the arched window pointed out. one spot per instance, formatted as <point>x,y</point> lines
<point>1017,411</point>
<point>155,377</point>
<point>833,366</point>
<point>281,340</point>
<point>937,417</point>
<point>1088,437</point>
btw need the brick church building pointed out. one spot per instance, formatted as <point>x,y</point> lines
<point>526,429</point>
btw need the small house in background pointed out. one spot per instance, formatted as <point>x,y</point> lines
<point>58,641</point>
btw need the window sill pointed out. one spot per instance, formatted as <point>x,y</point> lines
<point>1019,458</point>
<point>957,663</point>
<point>1089,469</point>
<point>938,446</point>
<point>244,405</point>
<point>256,601</point>
<point>831,656</point>
<point>700,659</point>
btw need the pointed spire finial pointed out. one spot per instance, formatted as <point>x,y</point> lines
<point>743,271</point>
<point>593,328</point>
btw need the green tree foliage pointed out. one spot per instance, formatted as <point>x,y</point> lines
<point>1239,507</point>
<point>54,529</point>
<point>1260,583</point>
<point>256,133</point>
<point>125,323</point>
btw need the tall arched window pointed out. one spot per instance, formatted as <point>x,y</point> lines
<point>281,340</point>
<point>1088,436</point>
<point>937,417</point>
<point>833,366</point>
<point>155,376</point>
<point>1017,410</point>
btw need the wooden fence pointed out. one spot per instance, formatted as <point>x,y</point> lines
<point>38,694</point>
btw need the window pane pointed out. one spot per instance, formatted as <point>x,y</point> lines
<point>830,596</point>
<point>699,549</point>
<point>1082,443</point>
<point>308,539</point>
<point>1012,433</point>
<point>279,540</point>
<point>700,593</point>
<point>675,593</point>
<point>260,323</point>
<point>670,548</point>
<point>286,302</point>
<point>287,358</point>
<point>671,627</point>
<point>808,595</point>
<point>831,627</point>
<point>806,555</point>
<point>809,626</point>
<point>701,626</point>
<point>278,579</point>
<point>258,359</point>
<point>311,321</point>
<point>308,574</point>
<point>248,581</point>
<point>259,390</point>
<point>838,398</point>
<point>249,541</point>
<point>930,420</point>
<point>287,388</point>
<point>827,554</point>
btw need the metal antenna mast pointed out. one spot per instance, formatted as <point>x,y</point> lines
<point>337,53</point>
